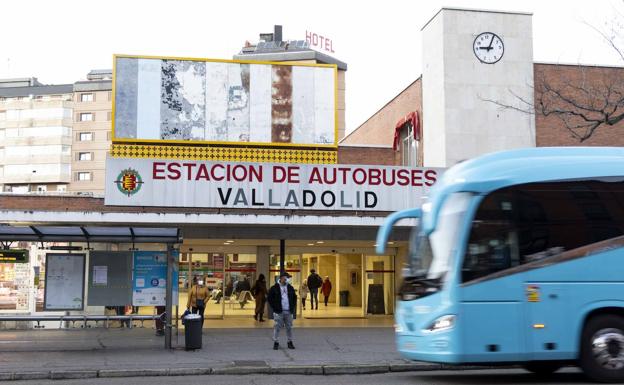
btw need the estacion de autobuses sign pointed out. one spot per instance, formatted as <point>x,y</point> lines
<point>182,183</point>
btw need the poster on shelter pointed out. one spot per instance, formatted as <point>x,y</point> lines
<point>64,281</point>
<point>149,278</point>
<point>224,101</point>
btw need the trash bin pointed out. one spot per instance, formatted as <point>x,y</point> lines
<point>344,298</point>
<point>192,332</point>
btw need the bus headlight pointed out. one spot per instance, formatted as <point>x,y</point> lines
<point>445,322</point>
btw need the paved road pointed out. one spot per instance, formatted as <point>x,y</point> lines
<point>468,377</point>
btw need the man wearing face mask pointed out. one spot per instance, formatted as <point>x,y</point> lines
<point>283,301</point>
<point>197,298</point>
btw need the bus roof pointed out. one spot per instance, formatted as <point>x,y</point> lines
<point>507,168</point>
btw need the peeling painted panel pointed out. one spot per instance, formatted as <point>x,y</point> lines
<point>148,99</point>
<point>260,103</point>
<point>281,104</point>
<point>238,103</point>
<point>183,103</point>
<point>216,101</point>
<point>324,106</point>
<point>126,98</point>
<point>303,104</point>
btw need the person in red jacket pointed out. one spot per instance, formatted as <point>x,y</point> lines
<point>326,289</point>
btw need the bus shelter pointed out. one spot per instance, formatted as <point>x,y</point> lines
<point>168,236</point>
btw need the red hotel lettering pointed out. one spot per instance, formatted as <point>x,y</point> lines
<point>156,170</point>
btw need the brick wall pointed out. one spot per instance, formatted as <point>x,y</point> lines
<point>551,131</point>
<point>368,155</point>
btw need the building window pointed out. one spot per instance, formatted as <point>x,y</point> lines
<point>86,97</point>
<point>409,147</point>
<point>85,136</point>
<point>83,176</point>
<point>61,188</point>
<point>85,117</point>
<point>85,156</point>
<point>42,188</point>
<point>109,115</point>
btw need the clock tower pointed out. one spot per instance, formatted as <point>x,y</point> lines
<point>471,58</point>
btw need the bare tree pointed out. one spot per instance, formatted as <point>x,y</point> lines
<point>584,99</point>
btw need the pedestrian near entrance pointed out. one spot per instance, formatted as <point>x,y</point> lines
<point>314,283</point>
<point>326,289</point>
<point>197,298</point>
<point>260,295</point>
<point>283,301</point>
<point>304,291</point>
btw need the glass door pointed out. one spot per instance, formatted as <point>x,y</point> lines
<point>379,284</point>
<point>209,268</point>
<point>240,276</point>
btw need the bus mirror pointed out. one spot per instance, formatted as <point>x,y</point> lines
<point>384,231</point>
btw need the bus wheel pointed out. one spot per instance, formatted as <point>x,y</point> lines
<point>542,368</point>
<point>602,348</point>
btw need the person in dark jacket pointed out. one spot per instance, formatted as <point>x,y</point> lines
<point>283,301</point>
<point>260,294</point>
<point>314,283</point>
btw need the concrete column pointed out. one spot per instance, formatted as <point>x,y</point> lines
<point>262,262</point>
<point>262,267</point>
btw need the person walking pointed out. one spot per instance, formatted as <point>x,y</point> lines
<point>326,289</point>
<point>314,283</point>
<point>283,301</point>
<point>197,298</point>
<point>260,295</point>
<point>304,291</point>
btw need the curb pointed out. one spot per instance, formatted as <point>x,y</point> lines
<point>327,370</point>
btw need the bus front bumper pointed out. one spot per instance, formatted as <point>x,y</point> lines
<point>430,348</point>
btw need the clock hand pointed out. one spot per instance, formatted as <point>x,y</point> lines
<point>489,47</point>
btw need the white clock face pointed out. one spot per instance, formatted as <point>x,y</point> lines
<point>488,47</point>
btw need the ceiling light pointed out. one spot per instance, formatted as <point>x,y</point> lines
<point>320,242</point>
<point>310,244</point>
<point>391,243</point>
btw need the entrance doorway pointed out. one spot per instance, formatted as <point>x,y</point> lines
<point>229,278</point>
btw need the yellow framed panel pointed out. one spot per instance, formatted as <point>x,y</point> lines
<point>231,154</point>
<point>255,144</point>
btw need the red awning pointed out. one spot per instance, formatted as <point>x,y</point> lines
<point>411,118</point>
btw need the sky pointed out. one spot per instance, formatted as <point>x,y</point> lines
<point>60,41</point>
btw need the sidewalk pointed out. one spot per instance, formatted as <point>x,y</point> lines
<point>87,353</point>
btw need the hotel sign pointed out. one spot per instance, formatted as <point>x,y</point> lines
<point>186,183</point>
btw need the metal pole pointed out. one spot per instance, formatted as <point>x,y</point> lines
<point>169,296</point>
<point>282,255</point>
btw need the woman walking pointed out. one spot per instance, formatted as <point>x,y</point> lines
<point>304,291</point>
<point>260,294</point>
<point>197,298</point>
<point>326,289</point>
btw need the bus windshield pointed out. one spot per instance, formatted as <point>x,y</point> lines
<point>431,255</point>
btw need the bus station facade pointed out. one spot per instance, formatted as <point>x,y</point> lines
<point>261,170</point>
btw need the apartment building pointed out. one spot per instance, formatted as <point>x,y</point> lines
<point>35,136</point>
<point>91,136</point>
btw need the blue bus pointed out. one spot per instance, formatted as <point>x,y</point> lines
<point>518,257</point>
